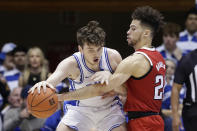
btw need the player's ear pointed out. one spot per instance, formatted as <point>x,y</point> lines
<point>80,48</point>
<point>147,32</point>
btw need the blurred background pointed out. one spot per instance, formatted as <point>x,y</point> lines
<point>52,24</point>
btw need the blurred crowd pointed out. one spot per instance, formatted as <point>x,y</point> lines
<point>21,68</point>
<point>176,45</point>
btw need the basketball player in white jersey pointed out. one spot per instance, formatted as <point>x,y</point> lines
<point>92,64</point>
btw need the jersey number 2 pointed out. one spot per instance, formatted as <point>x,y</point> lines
<point>158,93</point>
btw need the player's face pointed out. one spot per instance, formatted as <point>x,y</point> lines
<point>170,68</point>
<point>35,59</point>
<point>170,41</point>
<point>134,33</point>
<point>91,53</point>
<point>191,23</point>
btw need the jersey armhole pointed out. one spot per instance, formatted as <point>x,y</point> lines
<point>80,68</point>
<point>151,65</point>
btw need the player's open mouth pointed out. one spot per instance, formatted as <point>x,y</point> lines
<point>96,60</point>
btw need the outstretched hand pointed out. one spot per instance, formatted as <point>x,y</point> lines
<point>102,76</point>
<point>39,85</point>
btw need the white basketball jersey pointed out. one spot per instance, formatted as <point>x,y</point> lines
<point>84,79</point>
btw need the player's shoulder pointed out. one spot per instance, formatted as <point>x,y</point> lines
<point>70,61</point>
<point>114,57</point>
<point>134,60</point>
<point>113,54</point>
<point>137,57</point>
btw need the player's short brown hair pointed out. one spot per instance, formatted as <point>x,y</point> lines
<point>149,17</point>
<point>92,33</point>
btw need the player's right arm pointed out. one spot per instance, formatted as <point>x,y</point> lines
<point>176,123</point>
<point>66,69</point>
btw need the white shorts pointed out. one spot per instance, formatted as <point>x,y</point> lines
<point>89,118</point>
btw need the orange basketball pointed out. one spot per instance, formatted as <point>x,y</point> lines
<point>42,105</point>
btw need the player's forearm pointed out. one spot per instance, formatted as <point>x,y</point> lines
<point>54,79</point>
<point>92,90</point>
<point>175,99</point>
<point>122,90</point>
<point>83,93</point>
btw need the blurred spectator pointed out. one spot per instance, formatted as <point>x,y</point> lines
<point>13,99</point>
<point>188,38</point>
<point>20,119</point>
<point>19,59</point>
<point>168,49</point>
<point>6,57</point>
<point>36,68</point>
<point>186,73</point>
<point>8,67</point>
<point>166,104</point>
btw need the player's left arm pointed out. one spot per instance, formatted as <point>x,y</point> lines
<point>128,67</point>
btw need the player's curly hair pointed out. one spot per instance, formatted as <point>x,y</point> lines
<point>92,33</point>
<point>149,17</point>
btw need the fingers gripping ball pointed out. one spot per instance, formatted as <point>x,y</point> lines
<point>42,105</point>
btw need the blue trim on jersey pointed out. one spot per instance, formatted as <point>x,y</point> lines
<point>114,126</point>
<point>119,102</point>
<point>100,64</point>
<point>90,70</point>
<point>107,60</point>
<point>84,63</point>
<point>72,85</point>
<point>74,128</point>
<point>81,70</point>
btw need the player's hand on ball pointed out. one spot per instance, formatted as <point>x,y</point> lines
<point>102,76</point>
<point>39,85</point>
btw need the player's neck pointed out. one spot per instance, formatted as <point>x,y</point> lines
<point>94,67</point>
<point>143,43</point>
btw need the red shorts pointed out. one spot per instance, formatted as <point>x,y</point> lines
<point>148,123</point>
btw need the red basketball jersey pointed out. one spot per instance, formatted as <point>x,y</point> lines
<point>146,93</point>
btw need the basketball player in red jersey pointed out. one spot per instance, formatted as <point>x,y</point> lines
<point>143,72</point>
